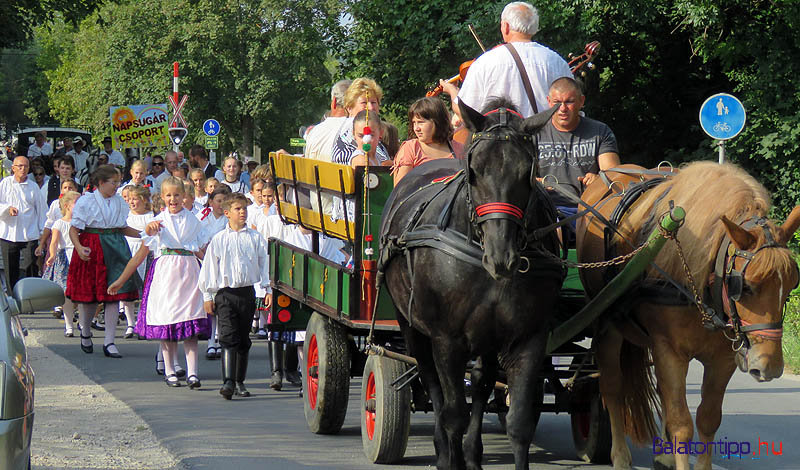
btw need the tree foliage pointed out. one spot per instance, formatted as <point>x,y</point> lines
<point>257,66</point>
<point>659,61</point>
<point>21,17</point>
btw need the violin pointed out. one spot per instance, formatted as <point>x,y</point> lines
<point>576,62</point>
<point>462,74</point>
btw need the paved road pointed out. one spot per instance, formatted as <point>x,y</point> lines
<point>268,431</point>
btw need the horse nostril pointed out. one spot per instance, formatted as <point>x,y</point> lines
<point>757,374</point>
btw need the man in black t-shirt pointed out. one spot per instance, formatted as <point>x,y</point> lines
<point>573,149</point>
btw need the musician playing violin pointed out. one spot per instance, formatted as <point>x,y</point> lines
<point>495,74</point>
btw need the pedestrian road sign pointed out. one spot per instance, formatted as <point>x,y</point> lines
<point>212,143</point>
<point>722,116</point>
<point>211,127</point>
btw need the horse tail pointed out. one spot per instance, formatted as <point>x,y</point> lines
<point>641,398</point>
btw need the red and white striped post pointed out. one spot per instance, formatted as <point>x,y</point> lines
<point>175,81</point>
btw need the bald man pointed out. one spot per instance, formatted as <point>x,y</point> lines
<point>23,211</point>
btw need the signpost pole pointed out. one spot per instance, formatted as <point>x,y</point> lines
<point>175,93</point>
<point>721,145</point>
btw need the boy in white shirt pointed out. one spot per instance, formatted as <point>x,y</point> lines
<point>235,260</point>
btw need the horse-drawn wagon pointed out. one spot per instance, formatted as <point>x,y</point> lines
<point>351,320</point>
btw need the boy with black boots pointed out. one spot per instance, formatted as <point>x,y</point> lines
<point>235,260</point>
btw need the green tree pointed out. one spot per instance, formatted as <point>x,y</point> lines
<point>257,66</point>
<point>21,17</point>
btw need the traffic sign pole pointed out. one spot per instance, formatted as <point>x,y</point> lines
<point>722,117</point>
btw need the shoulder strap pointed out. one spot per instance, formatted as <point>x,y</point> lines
<point>524,75</point>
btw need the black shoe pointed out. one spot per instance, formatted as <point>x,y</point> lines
<point>241,391</point>
<point>172,380</point>
<point>128,332</point>
<point>87,349</point>
<point>193,382</point>
<point>68,334</point>
<point>241,373</point>
<point>96,326</point>
<point>218,353</point>
<point>291,362</point>
<point>211,353</point>
<point>276,364</point>
<point>228,372</point>
<point>180,372</point>
<point>108,353</point>
<point>227,389</point>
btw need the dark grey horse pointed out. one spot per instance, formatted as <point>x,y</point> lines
<point>459,260</point>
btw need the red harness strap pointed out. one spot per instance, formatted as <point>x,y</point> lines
<point>499,208</point>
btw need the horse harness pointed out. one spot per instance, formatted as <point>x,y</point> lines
<point>469,247</point>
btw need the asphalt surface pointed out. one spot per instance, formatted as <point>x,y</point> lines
<point>268,430</point>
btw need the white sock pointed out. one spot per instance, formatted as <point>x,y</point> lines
<point>128,308</point>
<point>111,314</point>
<point>168,349</point>
<point>212,339</point>
<point>85,315</point>
<point>69,312</point>
<point>190,349</point>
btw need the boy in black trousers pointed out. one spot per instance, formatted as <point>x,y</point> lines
<point>235,260</point>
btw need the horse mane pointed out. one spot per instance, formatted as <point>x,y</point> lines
<point>707,191</point>
<point>498,102</point>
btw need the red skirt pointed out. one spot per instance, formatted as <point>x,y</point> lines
<point>87,280</point>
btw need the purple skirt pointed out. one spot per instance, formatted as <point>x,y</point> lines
<point>200,329</point>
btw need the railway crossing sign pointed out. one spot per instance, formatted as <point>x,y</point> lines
<point>177,116</point>
<point>177,134</point>
<point>722,116</point>
<point>211,127</point>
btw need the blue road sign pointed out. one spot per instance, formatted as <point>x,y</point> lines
<point>211,127</point>
<point>722,116</point>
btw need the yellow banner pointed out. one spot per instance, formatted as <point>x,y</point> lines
<point>140,126</point>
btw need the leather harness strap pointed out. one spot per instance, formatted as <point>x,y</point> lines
<point>524,75</point>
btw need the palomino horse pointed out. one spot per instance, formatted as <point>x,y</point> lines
<point>732,251</point>
<point>456,266</point>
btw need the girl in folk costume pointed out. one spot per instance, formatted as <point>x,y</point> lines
<point>211,185</point>
<point>54,214</point>
<point>139,177</point>
<point>233,177</point>
<point>214,221</point>
<point>172,305</point>
<point>98,229</point>
<point>60,252</point>
<point>199,180</point>
<point>139,216</point>
<point>189,201</point>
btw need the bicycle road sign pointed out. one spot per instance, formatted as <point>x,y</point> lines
<point>722,116</point>
<point>211,127</point>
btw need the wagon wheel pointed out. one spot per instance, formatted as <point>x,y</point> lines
<point>538,400</point>
<point>385,412</point>
<point>326,384</point>
<point>591,427</point>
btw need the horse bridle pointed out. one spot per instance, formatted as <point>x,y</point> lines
<point>500,131</point>
<point>729,284</point>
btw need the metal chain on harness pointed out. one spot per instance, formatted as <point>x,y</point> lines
<point>595,264</point>
<point>705,315</point>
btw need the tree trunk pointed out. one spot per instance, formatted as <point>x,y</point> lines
<point>246,146</point>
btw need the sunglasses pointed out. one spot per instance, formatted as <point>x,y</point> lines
<point>158,164</point>
<point>38,174</point>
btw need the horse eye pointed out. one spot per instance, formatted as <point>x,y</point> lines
<point>747,290</point>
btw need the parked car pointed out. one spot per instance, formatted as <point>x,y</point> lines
<point>16,375</point>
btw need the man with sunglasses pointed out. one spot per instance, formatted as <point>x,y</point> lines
<point>22,216</point>
<point>159,174</point>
